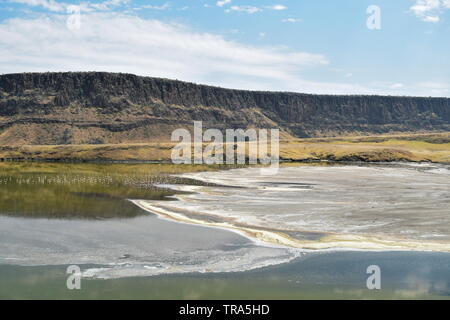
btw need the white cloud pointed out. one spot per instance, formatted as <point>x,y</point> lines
<point>165,6</point>
<point>434,85</point>
<point>396,86</point>
<point>246,9</point>
<point>433,19</point>
<point>434,88</point>
<point>430,10</point>
<point>58,6</point>
<point>424,88</point>
<point>121,43</point>
<point>422,6</point>
<point>107,5</point>
<point>276,7</point>
<point>251,9</point>
<point>50,5</point>
<point>222,3</point>
<point>291,20</point>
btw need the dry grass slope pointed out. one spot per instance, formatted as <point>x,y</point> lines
<point>407,147</point>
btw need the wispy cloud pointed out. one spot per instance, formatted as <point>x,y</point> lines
<point>246,9</point>
<point>222,3</point>
<point>435,88</point>
<point>251,9</point>
<point>123,43</point>
<point>58,6</point>
<point>291,20</point>
<point>396,86</point>
<point>50,5</point>
<point>109,41</point>
<point>165,6</point>
<point>277,7</point>
<point>430,10</point>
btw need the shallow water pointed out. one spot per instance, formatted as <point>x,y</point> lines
<point>81,214</point>
<point>341,275</point>
<point>407,204</point>
<point>81,191</point>
<point>54,215</point>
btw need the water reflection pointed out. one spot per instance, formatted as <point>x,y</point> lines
<point>83,191</point>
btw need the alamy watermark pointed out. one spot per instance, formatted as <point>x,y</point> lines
<point>74,279</point>
<point>237,146</point>
<point>73,21</point>
<point>374,19</point>
<point>374,280</point>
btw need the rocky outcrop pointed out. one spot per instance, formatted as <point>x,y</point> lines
<point>96,107</point>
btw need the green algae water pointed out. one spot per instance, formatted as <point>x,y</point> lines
<point>56,215</point>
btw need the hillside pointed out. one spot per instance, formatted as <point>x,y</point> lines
<point>109,108</point>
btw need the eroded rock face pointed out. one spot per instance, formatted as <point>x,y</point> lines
<point>96,107</point>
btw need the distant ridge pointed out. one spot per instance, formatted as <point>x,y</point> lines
<point>100,108</point>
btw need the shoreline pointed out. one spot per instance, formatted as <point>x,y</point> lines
<point>426,147</point>
<point>285,238</point>
<point>330,242</point>
<point>169,162</point>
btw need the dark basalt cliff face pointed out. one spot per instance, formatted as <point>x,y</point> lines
<point>95,107</point>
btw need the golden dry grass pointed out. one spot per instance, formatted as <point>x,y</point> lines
<point>412,147</point>
<point>408,147</point>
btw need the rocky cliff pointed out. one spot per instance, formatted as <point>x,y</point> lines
<point>96,108</point>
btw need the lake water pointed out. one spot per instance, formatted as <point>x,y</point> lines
<point>386,207</point>
<point>308,232</point>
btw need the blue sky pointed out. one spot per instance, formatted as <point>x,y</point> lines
<point>316,46</point>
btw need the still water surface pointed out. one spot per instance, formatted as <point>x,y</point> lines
<point>53,215</point>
